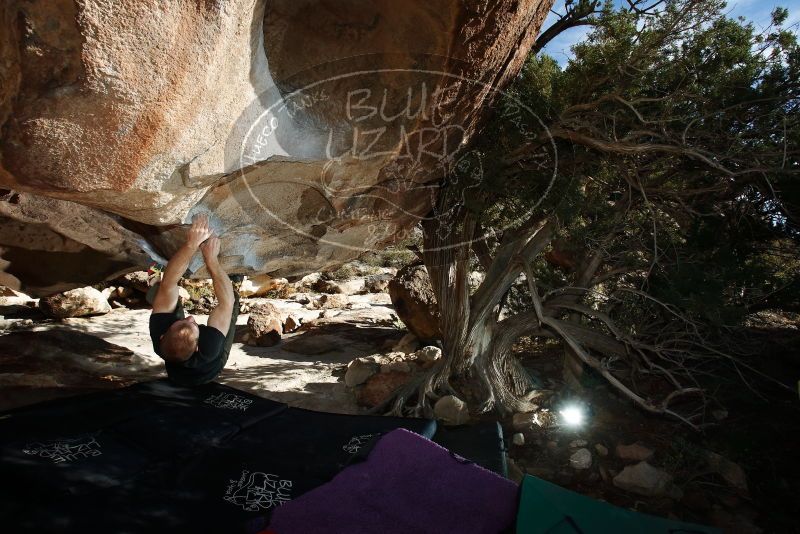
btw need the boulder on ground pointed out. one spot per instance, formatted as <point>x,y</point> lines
<point>334,287</point>
<point>359,371</point>
<point>407,344</point>
<point>137,280</point>
<point>581,459</point>
<point>9,292</point>
<point>730,471</point>
<point>308,281</point>
<point>634,452</point>
<point>264,325</point>
<point>428,354</point>
<point>330,301</point>
<point>643,479</point>
<point>380,387</point>
<point>79,302</point>
<point>291,324</point>
<point>377,283</point>
<point>264,330</point>
<point>397,365</point>
<point>261,284</point>
<point>414,301</point>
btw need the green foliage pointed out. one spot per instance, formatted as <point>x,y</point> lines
<point>669,146</point>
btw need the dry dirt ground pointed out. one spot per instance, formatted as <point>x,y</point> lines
<point>304,370</point>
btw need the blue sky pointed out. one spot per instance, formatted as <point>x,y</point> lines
<point>754,10</point>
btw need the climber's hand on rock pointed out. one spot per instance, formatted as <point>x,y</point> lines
<point>199,231</point>
<point>210,248</point>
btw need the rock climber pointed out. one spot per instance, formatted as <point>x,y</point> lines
<point>194,354</point>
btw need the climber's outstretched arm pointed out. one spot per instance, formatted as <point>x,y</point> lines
<point>220,317</point>
<point>167,297</point>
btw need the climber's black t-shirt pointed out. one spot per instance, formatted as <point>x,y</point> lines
<point>206,362</point>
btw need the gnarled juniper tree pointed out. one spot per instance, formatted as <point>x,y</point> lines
<point>655,198</point>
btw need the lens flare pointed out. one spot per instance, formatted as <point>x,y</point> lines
<point>572,415</point>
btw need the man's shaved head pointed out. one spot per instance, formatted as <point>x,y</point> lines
<point>180,341</point>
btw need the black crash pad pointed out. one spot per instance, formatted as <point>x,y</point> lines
<point>157,456</point>
<point>480,443</point>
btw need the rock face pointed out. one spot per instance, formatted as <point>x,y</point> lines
<point>414,301</point>
<point>119,124</point>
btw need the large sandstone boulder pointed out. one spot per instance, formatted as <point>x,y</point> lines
<point>310,131</point>
<point>414,301</point>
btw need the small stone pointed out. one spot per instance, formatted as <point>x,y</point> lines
<point>719,415</point>
<point>578,443</point>
<point>518,439</point>
<point>451,410</point>
<point>264,330</point>
<point>730,471</point>
<point>377,283</point>
<point>407,344</point>
<point>331,301</point>
<point>604,474</point>
<point>643,479</point>
<point>601,449</point>
<point>291,324</point>
<point>634,453</point>
<point>301,298</point>
<point>581,459</point>
<point>428,354</point>
<point>359,371</point>
<point>122,293</point>
<point>184,294</point>
<point>138,280</point>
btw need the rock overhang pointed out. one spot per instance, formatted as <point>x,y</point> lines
<point>310,131</point>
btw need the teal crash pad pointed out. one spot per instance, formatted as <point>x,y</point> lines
<point>547,508</point>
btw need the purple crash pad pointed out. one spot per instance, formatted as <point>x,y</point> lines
<point>407,484</point>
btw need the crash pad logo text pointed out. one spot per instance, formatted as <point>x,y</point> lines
<point>65,450</point>
<point>356,442</point>
<point>255,491</point>
<point>229,401</point>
